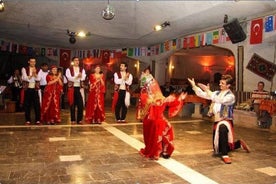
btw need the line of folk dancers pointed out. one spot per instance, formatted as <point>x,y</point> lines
<point>157,131</point>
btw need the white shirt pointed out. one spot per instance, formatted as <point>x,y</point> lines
<point>31,80</point>
<point>76,80</point>
<point>42,76</point>
<point>121,81</point>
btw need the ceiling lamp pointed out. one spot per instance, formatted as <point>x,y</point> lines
<point>162,26</point>
<point>73,35</point>
<point>2,6</point>
<point>108,13</point>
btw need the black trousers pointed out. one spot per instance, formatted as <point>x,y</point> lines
<point>120,108</point>
<point>16,97</point>
<point>31,98</point>
<point>78,102</point>
<point>223,140</point>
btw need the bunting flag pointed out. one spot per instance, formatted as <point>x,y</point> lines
<point>185,43</point>
<point>118,53</point>
<point>179,43</point>
<point>37,51</point>
<point>130,52</point>
<point>96,53</point>
<point>152,50</point>
<point>203,39</point>
<point>65,58</point>
<point>5,46</point>
<point>197,40</point>
<point>167,45</point>
<point>89,53</point>
<point>42,51</point>
<point>161,47</point>
<point>209,38</point>
<point>269,23</point>
<point>50,52</point>
<point>124,52</point>
<point>222,38</point>
<point>30,51</point>
<point>256,35</point>
<point>55,52</point>
<point>262,67</point>
<point>216,37</point>
<point>15,48</point>
<point>174,44</point>
<point>149,51</point>
<point>112,54</point>
<point>23,49</point>
<point>157,49</point>
<point>105,56</point>
<point>137,51</point>
<point>144,51</point>
<point>191,42</point>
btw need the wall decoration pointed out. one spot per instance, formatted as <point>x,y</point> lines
<point>261,67</point>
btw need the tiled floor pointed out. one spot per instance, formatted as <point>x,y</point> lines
<point>108,153</point>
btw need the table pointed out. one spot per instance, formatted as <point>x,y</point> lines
<point>197,101</point>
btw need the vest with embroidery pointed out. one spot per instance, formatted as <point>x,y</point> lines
<point>25,84</point>
<point>117,86</point>
<point>70,83</point>
<point>226,111</point>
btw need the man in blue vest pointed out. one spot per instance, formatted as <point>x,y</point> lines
<point>222,109</point>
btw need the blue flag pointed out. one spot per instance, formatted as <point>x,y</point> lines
<point>269,23</point>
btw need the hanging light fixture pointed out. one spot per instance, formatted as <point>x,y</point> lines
<point>72,35</point>
<point>162,26</point>
<point>108,13</point>
<point>2,6</point>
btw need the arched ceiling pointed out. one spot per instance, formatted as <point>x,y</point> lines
<point>44,22</point>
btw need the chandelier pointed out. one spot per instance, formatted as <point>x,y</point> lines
<point>108,13</point>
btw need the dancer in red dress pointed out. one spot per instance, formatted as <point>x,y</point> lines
<point>95,112</point>
<point>157,131</point>
<point>50,109</point>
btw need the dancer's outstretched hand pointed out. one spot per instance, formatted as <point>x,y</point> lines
<point>204,87</point>
<point>192,81</point>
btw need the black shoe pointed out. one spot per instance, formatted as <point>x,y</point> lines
<point>165,156</point>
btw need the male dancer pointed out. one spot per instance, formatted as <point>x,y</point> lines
<point>121,100</point>
<point>31,80</point>
<point>75,75</point>
<point>222,108</point>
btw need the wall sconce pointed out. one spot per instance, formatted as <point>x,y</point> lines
<point>108,13</point>
<point>172,67</point>
<point>162,26</point>
<point>2,6</point>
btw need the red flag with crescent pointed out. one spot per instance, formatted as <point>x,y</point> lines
<point>65,58</point>
<point>256,35</point>
<point>105,56</point>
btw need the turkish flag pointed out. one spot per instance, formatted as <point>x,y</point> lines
<point>256,35</point>
<point>65,56</point>
<point>105,56</point>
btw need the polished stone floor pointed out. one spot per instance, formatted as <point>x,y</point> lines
<point>108,153</point>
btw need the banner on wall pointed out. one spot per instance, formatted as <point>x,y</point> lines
<point>256,35</point>
<point>261,67</point>
<point>65,58</point>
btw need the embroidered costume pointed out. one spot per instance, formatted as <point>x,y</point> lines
<point>95,112</point>
<point>50,109</point>
<point>157,131</point>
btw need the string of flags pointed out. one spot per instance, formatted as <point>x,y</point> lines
<point>257,28</point>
